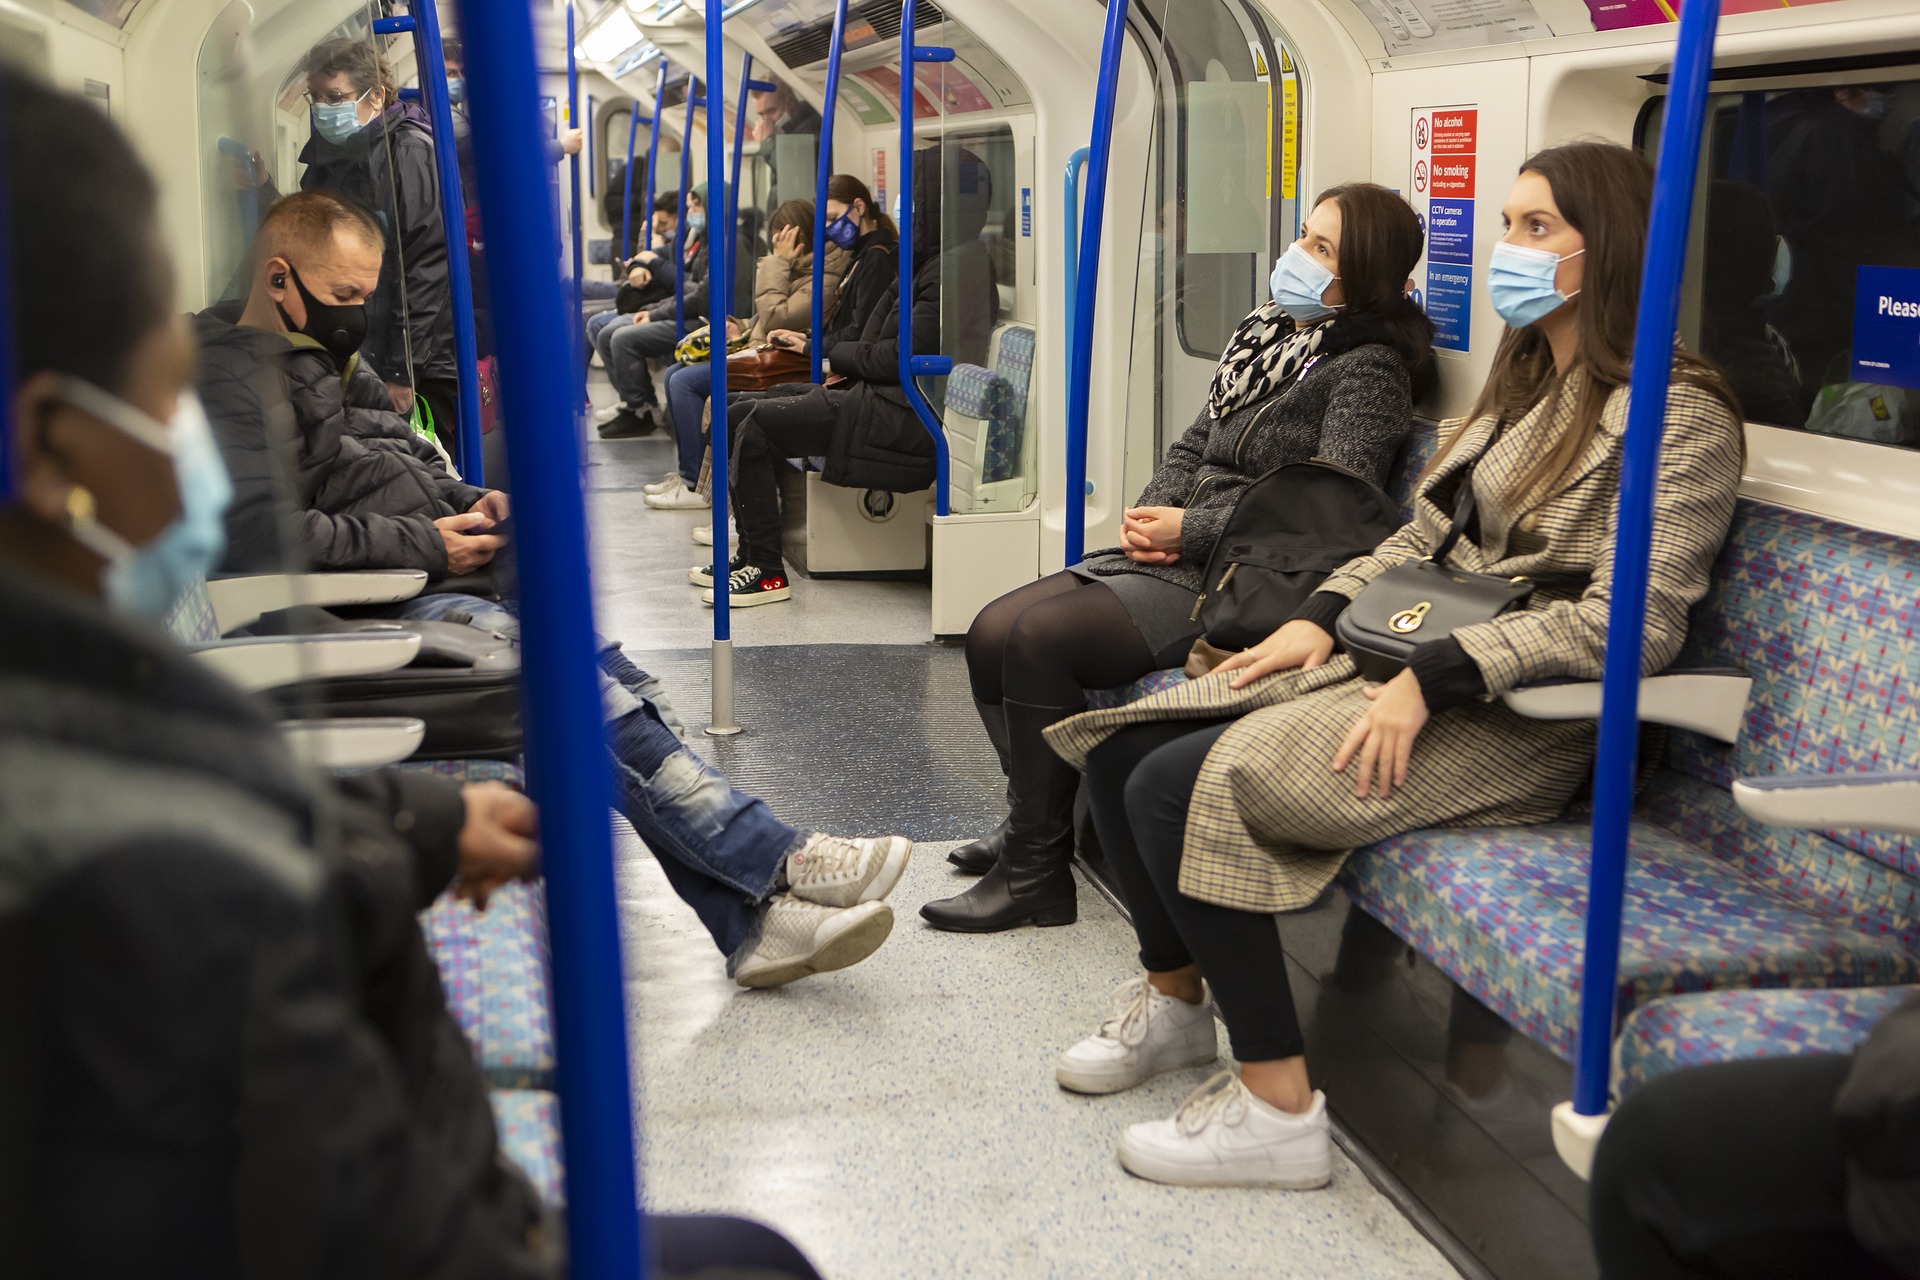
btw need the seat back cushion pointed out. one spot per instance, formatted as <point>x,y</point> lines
<point>496,970</point>
<point>1006,431</point>
<point>192,620</point>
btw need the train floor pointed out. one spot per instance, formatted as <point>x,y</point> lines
<point>900,1119</point>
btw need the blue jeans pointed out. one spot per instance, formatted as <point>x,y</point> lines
<point>721,849</point>
<point>597,325</point>
<point>688,386</point>
<point>628,349</point>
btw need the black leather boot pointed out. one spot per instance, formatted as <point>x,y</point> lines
<point>976,858</point>
<point>1032,883</point>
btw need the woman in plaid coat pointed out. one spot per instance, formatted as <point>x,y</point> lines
<point>1239,795</point>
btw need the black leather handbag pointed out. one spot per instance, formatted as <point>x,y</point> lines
<point>1421,601</point>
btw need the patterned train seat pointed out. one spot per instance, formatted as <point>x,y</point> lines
<point>986,420</point>
<point>529,1124</point>
<point>496,968</point>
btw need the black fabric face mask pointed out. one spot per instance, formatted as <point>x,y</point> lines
<point>340,329</point>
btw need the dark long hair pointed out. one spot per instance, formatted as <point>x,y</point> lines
<point>797,214</point>
<point>846,188</point>
<point>1380,244</point>
<point>1605,192</point>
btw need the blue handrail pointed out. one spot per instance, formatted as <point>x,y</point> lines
<point>428,51</point>
<point>1070,197</point>
<point>653,150</point>
<point>1086,280</point>
<point>823,171</point>
<point>720,240</point>
<point>1659,314</point>
<point>626,203</point>
<point>568,769</point>
<point>680,231</point>
<point>913,366</point>
<point>573,173</point>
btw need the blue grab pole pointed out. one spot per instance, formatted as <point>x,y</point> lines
<point>1659,314</point>
<point>680,230</point>
<point>573,170</point>
<point>1070,198</point>
<point>453,221</point>
<point>568,769</point>
<point>1086,280</point>
<point>823,171</point>
<point>653,150</point>
<point>912,366</point>
<point>626,203</point>
<point>720,233</point>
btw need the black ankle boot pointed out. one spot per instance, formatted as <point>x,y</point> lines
<point>977,858</point>
<point>1032,882</point>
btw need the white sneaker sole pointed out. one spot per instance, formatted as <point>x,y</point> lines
<point>703,536</point>
<point>752,599</point>
<point>855,935</point>
<point>1156,1168</point>
<point>1097,1083</point>
<point>686,500</point>
<point>700,578</point>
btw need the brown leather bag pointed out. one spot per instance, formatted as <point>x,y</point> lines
<point>763,366</point>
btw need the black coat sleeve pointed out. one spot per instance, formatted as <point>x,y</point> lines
<point>425,812</point>
<point>423,249</point>
<point>876,356</point>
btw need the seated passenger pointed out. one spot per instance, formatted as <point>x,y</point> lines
<point>225,1047</point>
<point>1747,266</point>
<point>1211,823</point>
<point>1328,368</point>
<point>779,903</point>
<point>783,298</point>
<point>648,277</point>
<point>869,434</point>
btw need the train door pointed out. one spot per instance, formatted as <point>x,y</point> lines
<point>1221,203</point>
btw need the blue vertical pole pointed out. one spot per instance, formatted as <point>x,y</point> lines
<point>1087,280</point>
<point>626,203</point>
<point>568,770</point>
<point>680,231</point>
<point>1659,314</point>
<point>1070,198</point>
<point>653,150</point>
<point>823,170</point>
<point>425,23</point>
<point>720,239</point>
<point>911,365</point>
<point>573,166</point>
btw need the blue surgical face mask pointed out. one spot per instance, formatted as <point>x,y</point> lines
<point>149,581</point>
<point>1879,102</point>
<point>843,230</point>
<point>337,121</point>
<point>456,89</point>
<point>1298,282</point>
<point>1521,282</point>
<point>1782,268</point>
<point>696,223</point>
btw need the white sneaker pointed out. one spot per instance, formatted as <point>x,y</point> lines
<point>608,414</point>
<point>840,873</point>
<point>664,483</point>
<point>1145,1034</point>
<point>799,938</point>
<point>678,497</point>
<point>1223,1136</point>
<point>701,575</point>
<point>703,536</point>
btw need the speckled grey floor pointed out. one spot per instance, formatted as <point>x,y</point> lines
<point>900,1119</point>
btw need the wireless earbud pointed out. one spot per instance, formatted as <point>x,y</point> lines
<point>278,279</point>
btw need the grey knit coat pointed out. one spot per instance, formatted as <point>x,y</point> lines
<point>1354,408</point>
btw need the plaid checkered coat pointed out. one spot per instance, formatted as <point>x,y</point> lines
<point>1270,823</point>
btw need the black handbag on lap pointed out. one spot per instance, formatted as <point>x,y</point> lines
<point>1423,600</point>
<point>1289,529</point>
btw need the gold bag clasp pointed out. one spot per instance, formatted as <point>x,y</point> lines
<point>1408,620</point>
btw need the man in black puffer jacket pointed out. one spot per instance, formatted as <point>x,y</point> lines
<point>368,491</point>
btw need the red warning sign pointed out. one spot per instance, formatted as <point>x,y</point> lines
<point>1456,142</point>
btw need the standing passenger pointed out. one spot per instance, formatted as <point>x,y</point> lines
<point>1329,368</point>
<point>1211,824</point>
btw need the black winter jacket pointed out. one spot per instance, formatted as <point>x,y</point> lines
<point>389,167</point>
<point>217,1012</point>
<point>873,274</point>
<point>365,488</point>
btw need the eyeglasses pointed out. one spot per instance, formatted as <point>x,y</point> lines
<point>335,97</point>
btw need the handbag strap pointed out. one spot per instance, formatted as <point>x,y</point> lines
<point>1464,503</point>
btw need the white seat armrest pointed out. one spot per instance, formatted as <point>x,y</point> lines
<point>1834,802</point>
<point>239,602</point>
<point>269,662</point>
<point>1712,701</point>
<point>353,744</point>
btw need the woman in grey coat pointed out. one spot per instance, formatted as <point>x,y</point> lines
<point>1329,368</point>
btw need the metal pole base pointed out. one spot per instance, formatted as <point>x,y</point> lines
<point>724,725</point>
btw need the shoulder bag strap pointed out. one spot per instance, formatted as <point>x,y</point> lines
<point>1464,502</point>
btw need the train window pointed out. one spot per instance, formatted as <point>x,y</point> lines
<point>1811,203</point>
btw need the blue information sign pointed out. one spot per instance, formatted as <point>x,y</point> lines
<point>1886,326</point>
<point>1026,211</point>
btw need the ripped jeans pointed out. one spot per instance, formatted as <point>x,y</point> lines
<point>721,849</point>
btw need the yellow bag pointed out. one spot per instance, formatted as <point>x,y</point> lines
<point>697,346</point>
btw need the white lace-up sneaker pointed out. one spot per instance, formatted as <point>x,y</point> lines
<point>608,414</point>
<point>1223,1136</point>
<point>839,873</point>
<point>703,535</point>
<point>799,938</point>
<point>678,497</point>
<point>1145,1034</point>
<point>664,483</point>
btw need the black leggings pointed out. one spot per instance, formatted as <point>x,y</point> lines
<point>1139,784</point>
<point>1047,643</point>
<point>1735,1171</point>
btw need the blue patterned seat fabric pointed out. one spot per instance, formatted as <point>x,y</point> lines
<point>496,970</point>
<point>1725,1026</point>
<point>997,397</point>
<point>528,1121</point>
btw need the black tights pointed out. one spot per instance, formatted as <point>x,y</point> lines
<point>1139,784</point>
<point>1047,643</point>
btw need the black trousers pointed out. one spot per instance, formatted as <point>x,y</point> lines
<point>1139,784</point>
<point>1734,1172</point>
<point>795,421</point>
